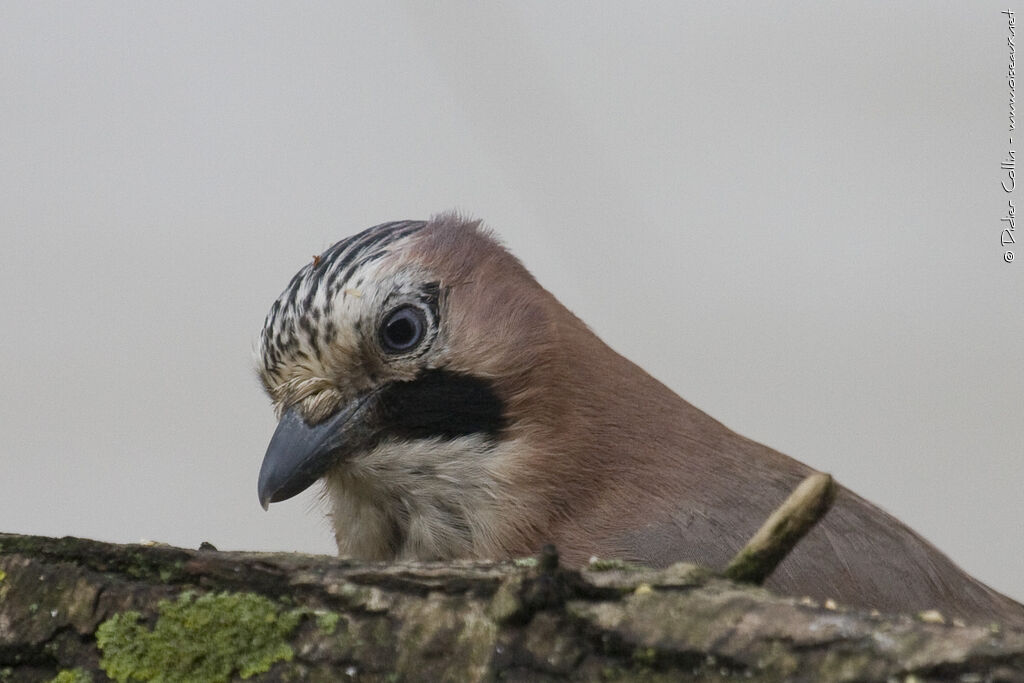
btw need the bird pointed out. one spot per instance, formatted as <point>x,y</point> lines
<point>453,408</point>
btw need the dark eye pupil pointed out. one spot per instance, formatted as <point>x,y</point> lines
<point>402,329</point>
<point>401,332</point>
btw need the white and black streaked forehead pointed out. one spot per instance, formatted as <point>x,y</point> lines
<point>301,322</point>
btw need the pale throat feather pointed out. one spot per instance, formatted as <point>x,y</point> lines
<point>426,499</point>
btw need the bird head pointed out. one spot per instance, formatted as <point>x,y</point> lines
<point>406,364</point>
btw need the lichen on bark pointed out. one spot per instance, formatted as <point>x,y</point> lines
<point>72,609</point>
<point>204,638</point>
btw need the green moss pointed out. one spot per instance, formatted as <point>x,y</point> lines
<point>208,638</point>
<point>747,567</point>
<point>645,655</point>
<point>642,674</point>
<point>327,622</point>
<point>72,676</point>
<point>597,564</point>
<point>525,562</point>
<point>3,575</point>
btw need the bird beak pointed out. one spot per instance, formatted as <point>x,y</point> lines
<point>300,453</point>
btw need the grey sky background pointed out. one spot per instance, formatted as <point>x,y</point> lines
<point>787,212</point>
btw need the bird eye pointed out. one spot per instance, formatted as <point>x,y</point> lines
<point>402,329</point>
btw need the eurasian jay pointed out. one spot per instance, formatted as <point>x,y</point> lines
<point>455,409</point>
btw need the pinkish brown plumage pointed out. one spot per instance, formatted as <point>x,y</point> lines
<point>455,409</point>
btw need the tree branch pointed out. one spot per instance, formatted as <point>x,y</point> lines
<point>783,530</point>
<point>87,610</point>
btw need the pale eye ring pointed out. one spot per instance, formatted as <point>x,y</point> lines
<point>403,329</point>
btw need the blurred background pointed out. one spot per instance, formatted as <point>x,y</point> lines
<point>789,214</point>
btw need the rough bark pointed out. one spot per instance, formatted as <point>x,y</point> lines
<point>79,610</point>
